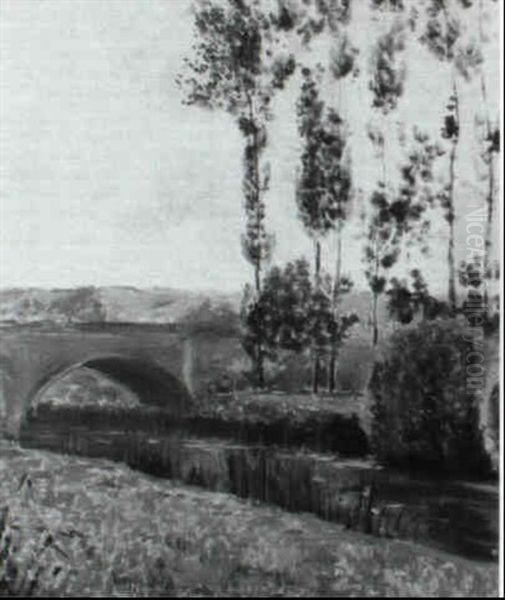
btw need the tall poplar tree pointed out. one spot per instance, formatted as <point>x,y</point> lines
<point>239,62</point>
<point>442,34</point>
<point>382,247</point>
<point>489,138</point>
<point>315,207</point>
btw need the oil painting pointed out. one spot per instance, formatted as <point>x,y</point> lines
<point>250,298</point>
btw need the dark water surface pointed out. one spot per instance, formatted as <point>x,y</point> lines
<point>456,516</point>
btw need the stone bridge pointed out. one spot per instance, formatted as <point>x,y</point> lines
<point>163,365</point>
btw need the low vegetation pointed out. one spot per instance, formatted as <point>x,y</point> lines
<point>425,412</point>
<point>72,526</point>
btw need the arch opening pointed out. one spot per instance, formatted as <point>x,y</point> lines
<point>151,384</point>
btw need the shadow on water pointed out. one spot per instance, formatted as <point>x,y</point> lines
<point>454,516</point>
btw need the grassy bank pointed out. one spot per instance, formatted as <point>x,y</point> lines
<point>442,513</point>
<point>98,527</point>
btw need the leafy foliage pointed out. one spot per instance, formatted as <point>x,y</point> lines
<point>471,273</point>
<point>474,276</point>
<point>324,194</point>
<point>237,57</point>
<point>291,315</point>
<point>425,414</point>
<point>277,318</point>
<point>416,192</point>
<point>388,216</point>
<point>343,57</point>
<point>450,129</point>
<point>324,184</point>
<point>406,301</point>
<point>488,137</point>
<point>315,208</point>
<point>388,75</point>
<point>316,16</point>
<point>442,30</point>
<point>382,247</point>
<point>444,38</point>
<point>394,5</point>
<point>239,63</point>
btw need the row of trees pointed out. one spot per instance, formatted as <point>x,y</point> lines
<point>243,56</point>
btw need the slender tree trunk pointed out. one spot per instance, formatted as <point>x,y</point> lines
<point>383,151</point>
<point>332,368</point>
<point>489,231</point>
<point>317,264</point>
<point>375,297</point>
<point>335,299</point>
<point>450,215</point>
<point>338,269</point>
<point>257,277</point>
<point>257,263</point>
<point>316,374</point>
<point>260,371</point>
<point>451,264</point>
<point>317,358</point>
<point>374,319</point>
<point>488,240</point>
<point>260,366</point>
<point>423,311</point>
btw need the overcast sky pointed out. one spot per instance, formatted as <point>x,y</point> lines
<point>107,179</point>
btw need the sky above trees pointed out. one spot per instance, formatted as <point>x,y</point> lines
<point>107,179</point>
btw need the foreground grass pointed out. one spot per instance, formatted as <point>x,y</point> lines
<point>76,526</point>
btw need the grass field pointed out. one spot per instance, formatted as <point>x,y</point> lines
<point>78,526</point>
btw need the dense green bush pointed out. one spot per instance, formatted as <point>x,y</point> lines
<point>424,413</point>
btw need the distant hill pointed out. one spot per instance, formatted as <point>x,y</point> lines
<point>154,305</point>
<point>110,304</point>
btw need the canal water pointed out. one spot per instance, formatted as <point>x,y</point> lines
<point>456,516</point>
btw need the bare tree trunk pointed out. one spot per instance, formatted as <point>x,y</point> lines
<point>488,240</point>
<point>332,375</point>
<point>374,320</point>
<point>375,297</point>
<point>260,371</point>
<point>260,366</point>
<point>450,216</point>
<point>335,299</point>
<point>451,263</point>
<point>316,375</point>
<point>336,284</point>
<point>317,264</point>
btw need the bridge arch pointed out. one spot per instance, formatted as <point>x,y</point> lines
<point>152,384</point>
